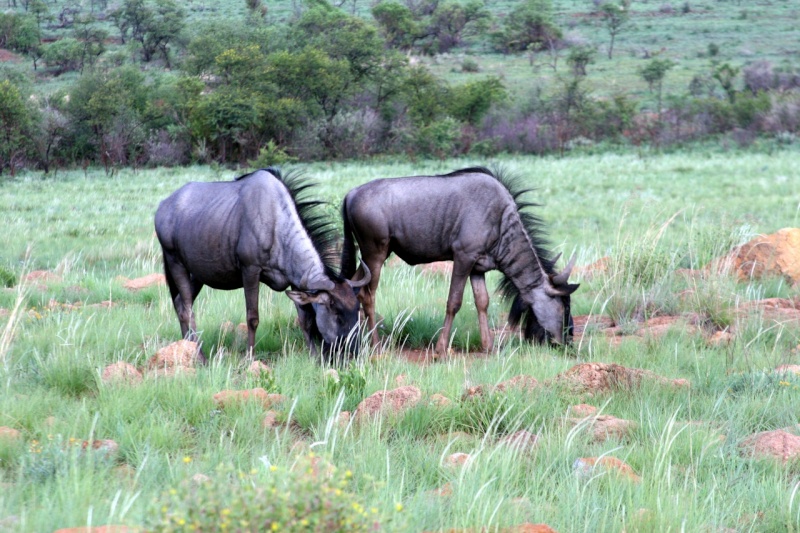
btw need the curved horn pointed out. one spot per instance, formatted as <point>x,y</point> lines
<point>563,277</point>
<point>363,281</point>
<point>556,258</point>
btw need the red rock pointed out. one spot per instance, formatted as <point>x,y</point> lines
<point>106,447</point>
<point>401,380</point>
<point>597,378</point>
<point>270,420</point>
<point>257,368</point>
<point>229,397</point>
<point>439,400</point>
<point>788,369</point>
<point>178,354</point>
<point>605,426</point>
<point>121,372</point>
<point>776,254</point>
<point>144,282</point>
<point>521,441</point>
<point>393,401</point>
<point>457,459</point>
<point>100,529</point>
<point>720,338</point>
<point>445,491</point>
<point>585,467</point>
<point>777,444</point>
<point>522,382</point>
<point>41,276</point>
<point>9,434</point>
<point>343,419</point>
<point>582,410</point>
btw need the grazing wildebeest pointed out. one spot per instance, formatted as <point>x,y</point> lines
<point>475,218</point>
<point>259,228</point>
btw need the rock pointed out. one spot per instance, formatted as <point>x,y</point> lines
<point>445,491</point>
<point>605,426</point>
<point>720,338</point>
<point>9,434</point>
<point>200,479</point>
<point>105,447</point>
<point>788,369</point>
<point>522,441</point>
<point>437,268</point>
<point>780,310</point>
<point>778,444</point>
<point>591,270</point>
<point>585,468</point>
<point>457,459</point>
<point>145,282</point>
<point>41,276</point>
<point>343,419</point>
<point>121,372</point>
<point>100,529</point>
<point>181,353</point>
<point>401,380</point>
<point>227,398</point>
<point>270,420</point>
<point>439,400</point>
<point>582,410</point>
<point>597,378</point>
<point>332,374</point>
<point>393,401</point>
<point>522,382</point>
<point>257,368</point>
<point>776,254</point>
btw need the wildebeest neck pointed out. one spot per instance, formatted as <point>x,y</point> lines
<point>516,255</point>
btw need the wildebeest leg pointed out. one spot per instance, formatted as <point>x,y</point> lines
<point>250,282</point>
<point>454,299</point>
<point>478,282</point>
<point>367,294</point>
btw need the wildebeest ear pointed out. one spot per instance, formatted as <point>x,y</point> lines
<point>305,298</point>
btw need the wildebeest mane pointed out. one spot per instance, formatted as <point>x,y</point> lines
<point>318,225</point>
<point>534,228</point>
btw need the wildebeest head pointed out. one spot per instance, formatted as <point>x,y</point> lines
<point>551,307</point>
<point>335,309</point>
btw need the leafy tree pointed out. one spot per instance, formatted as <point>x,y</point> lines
<point>653,73</point>
<point>615,17</point>
<point>40,11</point>
<point>579,58</point>
<point>397,23</point>
<point>153,24</point>
<point>16,122</point>
<point>91,37</point>
<point>228,117</point>
<point>425,96</point>
<point>65,55</point>
<point>18,32</point>
<point>530,26</point>
<point>470,102</point>
<point>726,74</point>
<point>50,133</point>
<point>451,21</point>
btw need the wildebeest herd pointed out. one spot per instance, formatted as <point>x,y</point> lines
<point>263,228</point>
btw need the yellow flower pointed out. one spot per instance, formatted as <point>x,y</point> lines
<point>225,512</point>
<point>187,459</point>
<point>273,468</point>
<point>275,526</point>
<point>304,522</point>
<point>181,522</point>
<point>173,492</point>
<point>398,507</point>
<point>373,510</point>
<point>348,474</point>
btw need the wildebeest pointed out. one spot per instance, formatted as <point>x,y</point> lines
<point>475,218</point>
<point>259,228</point>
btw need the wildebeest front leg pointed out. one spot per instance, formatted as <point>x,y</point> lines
<point>478,282</point>
<point>367,296</point>
<point>454,298</point>
<point>250,282</point>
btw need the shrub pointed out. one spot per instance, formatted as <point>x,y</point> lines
<point>439,138</point>
<point>302,498</point>
<point>469,65</point>
<point>270,155</point>
<point>7,277</point>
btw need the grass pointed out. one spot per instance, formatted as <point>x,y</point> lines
<point>652,214</point>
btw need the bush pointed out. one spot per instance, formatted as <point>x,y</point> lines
<point>7,277</point>
<point>303,498</point>
<point>270,155</point>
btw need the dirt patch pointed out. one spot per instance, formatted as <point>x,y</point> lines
<point>422,356</point>
<point>393,401</point>
<point>776,254</point>
<point>778,444</point>
<point>144,282</point>
<point>596,378</point>
<point>9,57</point>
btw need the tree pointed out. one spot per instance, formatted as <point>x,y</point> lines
<point>152,24</point>
<point>725,74</point>
<point>15,125</point>
<point>451,21</point>
<point>470,102</point>
<point>579,58</point>
<point>530,26</point>
<point>397,24</point>
<point>91,37</point>
<point>615,17</point>
<point>653,73</point>
<point>65,55</point>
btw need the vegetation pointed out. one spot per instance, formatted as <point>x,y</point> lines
<point>321,81</point>
<point>651,214</point>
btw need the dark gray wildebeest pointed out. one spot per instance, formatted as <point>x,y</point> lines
<point>259,228</point>
<point>475,218</point>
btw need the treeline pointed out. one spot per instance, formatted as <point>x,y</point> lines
<point>329,85</point>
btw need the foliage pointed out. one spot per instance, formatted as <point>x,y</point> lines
<point>301,498</point>
<point>271,155</point>
<point>152,24</point>
<point>65,55</point>
<point>530,26</point>
<point>19,32</point>
<point>350,382</point>
<point>8,278</point>
<point>579,58</point>
<point>615,18</point>
<point>16,123</point>
<point>470,102</point>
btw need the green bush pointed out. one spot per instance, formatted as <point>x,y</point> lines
<point>7,277</point>
<point>307,497</point>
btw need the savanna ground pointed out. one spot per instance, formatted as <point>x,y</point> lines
<point>652,214</point>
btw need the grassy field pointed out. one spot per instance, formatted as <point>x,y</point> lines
<point>653,214</point>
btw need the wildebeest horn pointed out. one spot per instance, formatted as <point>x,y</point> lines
<point>363,281</point>
<point>563,277</point>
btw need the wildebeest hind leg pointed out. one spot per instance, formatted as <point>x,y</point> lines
<point>478,282</point>
<point>367,295</point>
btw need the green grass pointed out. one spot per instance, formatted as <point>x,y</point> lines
<point>651,213</point>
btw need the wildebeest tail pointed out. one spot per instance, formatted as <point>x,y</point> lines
<point>349,259</point>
